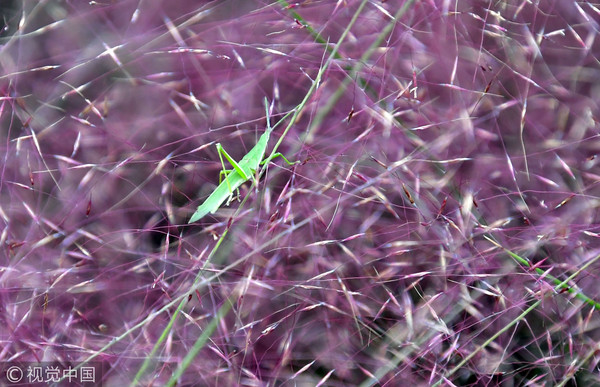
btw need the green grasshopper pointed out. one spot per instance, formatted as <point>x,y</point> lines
<point>241,172</point>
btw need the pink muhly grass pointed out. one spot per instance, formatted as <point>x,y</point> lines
<point>441,227</point>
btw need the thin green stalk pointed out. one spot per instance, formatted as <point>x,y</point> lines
<point>573,369</point>
<point>318,38</point>
<point>332,101</point>
<point>402,354</point>
<point>150,357</point>
<point>165,333</point>
<point>317,80</point>
<point>201,341</point>
<point>486,343</point>
<point>561,285</point>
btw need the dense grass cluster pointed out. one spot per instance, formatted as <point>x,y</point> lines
<point>441,228</point>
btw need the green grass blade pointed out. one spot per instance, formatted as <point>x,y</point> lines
<point>333,100</point>
<point>201,341</point>
<point>561,284</point>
